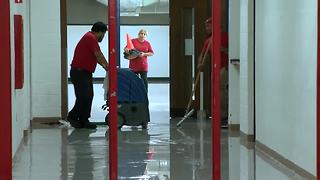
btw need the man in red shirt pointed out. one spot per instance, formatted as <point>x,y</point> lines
<point>223,69</point>
<point>139,65</point>
<point>86,57</point>
<point>223,48</point>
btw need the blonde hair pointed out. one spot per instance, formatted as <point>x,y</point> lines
<point>143,31</point>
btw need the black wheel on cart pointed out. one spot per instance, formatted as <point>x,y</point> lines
<point>121,120</point>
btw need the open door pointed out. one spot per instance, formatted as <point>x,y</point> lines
<point>184,48</point>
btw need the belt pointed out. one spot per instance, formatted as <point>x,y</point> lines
<point>80,69</point>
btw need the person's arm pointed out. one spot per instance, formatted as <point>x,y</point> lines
<point>146,54</point>
<point>126,50</point>
<point>92,44</point>
<point>203,55</point>
<point>149,53</point>
<point>101,59</point>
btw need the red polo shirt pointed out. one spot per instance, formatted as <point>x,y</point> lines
<point>84,57</point>
<point>224,44</point>
<point>140,63</point>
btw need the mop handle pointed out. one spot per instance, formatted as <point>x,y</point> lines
<point>201,60</point>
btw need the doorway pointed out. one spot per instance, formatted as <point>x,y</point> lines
<point>155,21</point>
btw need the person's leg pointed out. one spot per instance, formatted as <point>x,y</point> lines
<point>73,115</point>
<point>144,77</point>
<point>224,95</point>
<point>87,97</point>
<point>83,86</point>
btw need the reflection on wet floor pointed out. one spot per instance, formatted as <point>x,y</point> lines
<point>161,152</point>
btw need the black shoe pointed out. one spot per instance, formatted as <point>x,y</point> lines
<point>89,125</point>
<point>224,123</point>
<point>74,123</point>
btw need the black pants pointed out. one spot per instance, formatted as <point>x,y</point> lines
<point>83,88</point>
<point>144,76</point>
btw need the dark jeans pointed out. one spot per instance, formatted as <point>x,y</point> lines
<point>144,76</point>
<point>83,88</point>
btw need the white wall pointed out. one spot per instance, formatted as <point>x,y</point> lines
<point>234,70</point>
<point>246,67</point>
<point>286,41</point>
<point>42,33</point>
<point>20,97</point>
<point>46,58</point>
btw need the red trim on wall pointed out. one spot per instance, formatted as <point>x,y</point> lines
<point>113,129</point>
<point>215,101</point>
<point>318,97</point>
<point>5,95</point>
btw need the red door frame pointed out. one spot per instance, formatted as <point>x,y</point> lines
<point>215,98</point>
<point>113,130</point>
<point>5,95</point>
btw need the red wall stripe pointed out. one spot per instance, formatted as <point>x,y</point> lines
<point>5,95</point>
<point>215,101</point>
<point>113,130</point>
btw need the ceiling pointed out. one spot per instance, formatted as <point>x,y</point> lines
<point>137,7</point>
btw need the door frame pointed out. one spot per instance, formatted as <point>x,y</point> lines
<point>5,95</point>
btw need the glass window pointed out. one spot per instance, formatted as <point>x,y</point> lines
<point>158,36</point>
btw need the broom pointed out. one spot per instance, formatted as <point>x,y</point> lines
<point>201,61</point>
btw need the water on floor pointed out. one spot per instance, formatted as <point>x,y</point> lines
<point>161,152</point>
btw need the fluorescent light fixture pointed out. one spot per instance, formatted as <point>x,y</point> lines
<point>129,14</point>
<point>136,7</point>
